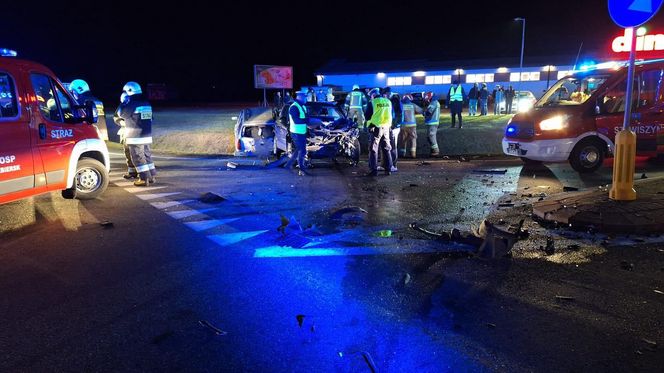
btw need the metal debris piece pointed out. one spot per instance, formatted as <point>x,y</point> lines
<point>490,325</point>
<point>216,330</point>
<point>370,362</point>
<point>565,298</point>
<point>659,291</point>
<point>106,224</point>
<point>210,197</point>
<point>649,342</point>
<point>406,279</point>
<point>300,320</point>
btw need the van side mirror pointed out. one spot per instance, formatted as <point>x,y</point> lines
<point>91,114</point>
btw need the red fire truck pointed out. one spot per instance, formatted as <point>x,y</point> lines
<point>577,119</point>
<point>47,141</point>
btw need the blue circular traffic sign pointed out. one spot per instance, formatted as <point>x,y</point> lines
<point>632,13</point>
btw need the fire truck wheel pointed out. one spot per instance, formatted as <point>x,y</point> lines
<point>90,181</point>
<point>588,155</point>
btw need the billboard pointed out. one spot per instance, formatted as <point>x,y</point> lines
<point>273,77</point>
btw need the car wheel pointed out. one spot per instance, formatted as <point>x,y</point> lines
<point>588,156</point>
<point>90,180</point>
<point>355,156</point>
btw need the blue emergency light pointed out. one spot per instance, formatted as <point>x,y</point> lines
<point>511,130</point>
<point>4,52</point>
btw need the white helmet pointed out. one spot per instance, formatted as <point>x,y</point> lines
<point>132,88</point>
<point>78,87</point>
<point>355,86</point>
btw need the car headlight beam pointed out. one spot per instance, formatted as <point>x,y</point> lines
<point>553,124</point>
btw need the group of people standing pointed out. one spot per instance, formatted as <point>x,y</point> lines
<point>479,95</point>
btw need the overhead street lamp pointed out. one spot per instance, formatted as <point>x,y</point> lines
<point>523,41</point>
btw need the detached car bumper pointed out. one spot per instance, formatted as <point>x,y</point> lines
<point>542,150</point>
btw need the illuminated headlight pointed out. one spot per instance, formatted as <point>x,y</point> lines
<point>553,124</point>
<point>525,105</point>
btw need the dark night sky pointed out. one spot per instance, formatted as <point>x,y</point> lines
<point>194,46</point>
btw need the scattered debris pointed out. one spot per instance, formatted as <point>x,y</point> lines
<point>565,298</point>
<point>651,344</point>
<point>659,291</point>
<point>210,197</point>
<point>573,247</point>
<point>490,325</point>
<point>106,224</point>
<point>383,233</point>
<point>406,279</point>
<point>570,189</point>
<point>284,223</point>
<point>413,185</point>
<point>300,320</point>
<point>216,330</point>
<point>462,159</point>
<point>550,248</point>
<point>338,214</point>
<point>231,165</point>
<point>424,163</point>
<point>503,171</point>
<point>639,352</point>
<point>509,204</point>
<point>370,362</point>
<point>627,266</point>
<point>644,176</point>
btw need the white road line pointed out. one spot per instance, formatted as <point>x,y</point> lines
<point>204,225</point>
<point>165,205</point>
<point>182,214</point>
<point>148,197</point>
<point>123,183</point>
<point>143,189</point>
<point>288,252</point>
<point>233,238</point>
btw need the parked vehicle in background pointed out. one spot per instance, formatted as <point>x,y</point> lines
<point>523,101</point>
<point>577,119</point>
<point>264,132</point>
<point>47,141</point>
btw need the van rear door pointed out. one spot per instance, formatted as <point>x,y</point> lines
<point>17,177</point>
<point>648,118</point>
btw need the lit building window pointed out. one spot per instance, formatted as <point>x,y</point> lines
<point>429,79</point>
<point>446,79</point>
<point>488,78</point>
<point>399,80</point>
<point>391,81</point>
<point>535,75</point>
<point>562,74</point>
<point>525,77</point>
<point>470,78</point>
<point>407,80</point>
<point>514,77</point>
<point>479,78</point>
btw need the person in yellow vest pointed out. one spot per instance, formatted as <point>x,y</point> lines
<point>356,105</point>
<point>432,120</point>
<point>380,126</point>
<point>298,120</point>
<point>408,134</point>
<point>455,99</point>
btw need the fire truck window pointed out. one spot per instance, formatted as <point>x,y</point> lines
<point>8,103</point>
<point>46,101</point>
<point>650,87</point>
<point>65,105</point>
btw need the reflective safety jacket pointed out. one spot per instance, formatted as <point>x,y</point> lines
<point>136,117</point>
<point>356,100</point>
<point>101,120</point>
<point>409,110</point>
<point>297,115</point>
<point>381,112</point>
<point>456,94</point>
<point>434,110</point>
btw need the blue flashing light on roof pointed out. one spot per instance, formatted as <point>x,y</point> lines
<point>587,65</point>
<point>4,52</point>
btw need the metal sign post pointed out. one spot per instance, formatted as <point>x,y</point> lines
<point>628,14</point>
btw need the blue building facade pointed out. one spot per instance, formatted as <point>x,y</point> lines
<point>428,76</point>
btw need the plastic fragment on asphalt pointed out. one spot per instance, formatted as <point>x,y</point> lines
<point>214,329</point>
<point>300,320</point>
<point>565,298</point>
<point>231,165</point>
<point>210,197</point>
<point>649,342</point>
<point>502,172</point>
<point>490,325</point>
<point>658,291</point>
<point>406,279</point>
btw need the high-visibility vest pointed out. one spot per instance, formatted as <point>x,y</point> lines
<point>409,115</point>
<point>456,96</point>
<point>298,128</point>
<point>435,116</point>
<point>356,100</point>
<point>382,112</point>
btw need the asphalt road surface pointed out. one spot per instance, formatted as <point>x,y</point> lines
<point>276,276</point>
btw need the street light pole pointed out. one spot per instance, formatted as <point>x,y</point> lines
<point>523,42</point>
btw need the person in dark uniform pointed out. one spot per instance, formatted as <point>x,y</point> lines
<point>80,89</point>
<point>136,114</point>
<point>131,169</point>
